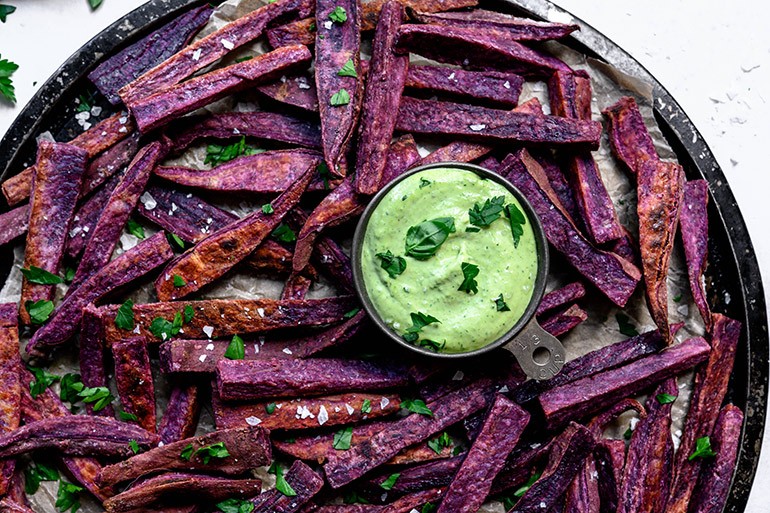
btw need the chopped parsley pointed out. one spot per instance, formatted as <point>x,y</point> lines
<point>69,274</point>
<point>424,239</point>
<point>7,68</point>
<point>67,495</point>
<point>431,344</point>
<point>174,240</point>
<point>235,506</point>
<point>236,349</point>
<point>134,446</point>
<point>127,417</point>
<point>390,481</point>
<point>213,451</point>
<point>218,154</point>
<point>244,58</point>
<point>348,70</point>
<point>419,321</point>
<point>526,486</point>
<point>677,298</point>
<point>352,497</point>
<point>342,439</point>
<point>70,388</point>
<point>100,397</point>
<point>36,473</point>
<point>270,408</point>
<point>393,264</point>
<point>284,233</point>
<point>484,215</point>
<point>179,281</point>
<point>424,182</point>
<point>43,380</point>
<point>40,276</point>
<point>340,98</point>
<point>135,229</point>
<point>628,433</point>
<point>165,329</point>
<point>188,313</point>
<point>665,398</point>
<point>267,208</point>
<point>187,452</point>
<point>417,406</point>
<point>625,326</point>
<point>440,443</point>
<point>501,305</point>
<point>124,319</point>
<point>5,10</point>
<point>366,407</point>
<point>85,102</point>
<point>702,449</point>
<point>517,220</point>
<point>351,314</point>
<point>281,484</point>
<point>429,508</point>
<point>338,15</point>
<point>39,311</point>
<point>469,284</point>
<point>94,4</point>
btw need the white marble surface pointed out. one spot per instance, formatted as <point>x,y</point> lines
<point>714,59</point>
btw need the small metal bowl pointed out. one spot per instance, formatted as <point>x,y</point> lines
<point>540,354</point>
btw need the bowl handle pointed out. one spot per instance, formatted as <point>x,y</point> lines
<point>540,354</point>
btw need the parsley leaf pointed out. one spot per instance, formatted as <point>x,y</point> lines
<point>665,398</point>
<point>281,484</point>
<point>429,508</point>
<point>419,321</point>
<point>348,70</point>
<point>267,208</point>
<point>35,473</point>
<point>39,311</point>
<point>69,274</point>
<point>94,4</point>
<point>677,298</point>
<point>625,326</point>
<point>440,442</point>
<point>424,182</point>
<point>485,214</point>
<point>70,388</point>
<point>174,240</point>
<point>134,445</point>
<point>526,486</point>
<point>164,329</point>
<point>628,433</point>
<point>67,496</point>
<point>417,406</point>
<point>424,239</point>
<point>323,172</point>
<point>390,481</point>
<point>135,229</point>
<point>469,284</point>
<point>236,349</point>
<point>501,305</point>
<point>5,10</point>
<point>99,396</point>
<point>43,380</point>
<point>188,313</point>
<point>179,281</point>
<point>342,439</point>
<point>187,452</point>
<point>124,319</point>
<point>85,102</point>
<point>351,314</point>
<point>338,15</point>
<point>218,154</point>
<point>702,449</point>
<point>431,344</point>
<point>366,406</point>
<point>235,506</point>
<point>7,68</point>
<point>393,264</point>
<point>126,417</point>
<point>40,276</point>
<point>270,408</point>
<point>352,497</point>
<point>207,452</point>
<point>340,98</point>
<point>284,233</point>
<point>517,220</point>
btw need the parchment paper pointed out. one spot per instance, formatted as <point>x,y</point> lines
<point>599,330</point>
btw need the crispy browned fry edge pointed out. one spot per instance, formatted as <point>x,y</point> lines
<point>660,190</point>
<point>335,44</point>
<point>213,256</point>
<point>630,142</point>
<point>647,475</point>
<point>182,411</point>
<point>176,487</point>
<point>693,224</point>
<point>91,356</point>
<point>123,199</point>
<point>305,413</point>
<point>296,286</point>
<point>58,173</point>
<point>208,50</point>
<point>305,482</point>
<point>96,139</point>
<point>14,224</point>
<point>248,448</point>
<point>561,322</point>
<point>420,453</point>
<point>160,108</point>
<point>709,390</point>
<point>504,424</point>
<point>716,475</point>
<point>520,29</point>
<point>590,394</point>
<point>134,263</point>
<point>227,317</point>
<point>384,85</point>
<point>10,392</point>
<point>133,378</point>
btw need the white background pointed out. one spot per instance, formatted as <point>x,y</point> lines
<point>714,58</point>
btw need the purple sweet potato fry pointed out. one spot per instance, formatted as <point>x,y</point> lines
<point>299,32</point>
<point>562,296</point>
<point>76,435</point>
<point>91,356</point>
<point>305,482</point>
<point>14,224</point>
<point>693,223</point>
<point>433,474</point>
<point>319,448</point>
<point>335,46</point>
<point>626,247</point>
<point>248,448</point>
<point>227,317</point>
<point>87,215</point>
<point>559,323</point>
<point>96,139</point>
<point>660,188</point>
<point>599,423</point>
<point>414,501</point>
<point>583,493</point>
<point>490,86</point>
<point>106,233</point>
<point>344,203</point>
<point>500,433</point>
<point>244,380</point>
<point>262,125</point>
<point>650,457</point>
<point>630,142</point>
<point>561,187</point>
<point>567,454</point>
<point>158,109</point>
<point>420,453</point>
<point>485,124</point>
<point>108,163</point>
<point>385,83</point>
<point>216,254</point>
<point>181,416</point>
<point>59,172</point>
<point>599,360</point>
<point>306,413</point>
<point>176,487</point>
<point>143,258</point>
<point>614,276</point>
<point>710,495</point>
<point>480,48</point>
<point>709,390</point>
<point>133,378</point>
<point>15,497</point>
<point>457,151</point>
<point>269,172</point>
<point>134,60</point>
<point>329,258</point>
<point>314,342</point>
<point>610,458</point>
<point>520,29</point>
<point>206,51</point>
<point>590,394</point>
<point>296,286</point>
<point>346,466</point>
<point>297,89</point>
<point>10,393</point>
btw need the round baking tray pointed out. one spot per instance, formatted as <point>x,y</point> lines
<point>734,284</point>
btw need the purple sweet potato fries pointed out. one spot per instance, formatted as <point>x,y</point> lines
<point>136,244</point>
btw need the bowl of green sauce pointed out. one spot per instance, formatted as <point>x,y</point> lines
<point>450,260</point>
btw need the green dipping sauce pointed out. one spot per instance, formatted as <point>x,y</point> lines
<point>468,321</point>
